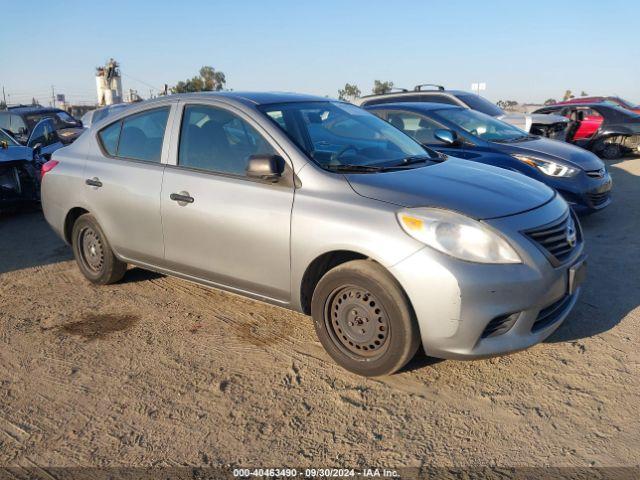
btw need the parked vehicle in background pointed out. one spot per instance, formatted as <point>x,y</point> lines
<point>20,122</point>
<point>387,245</point>
<point>20,165</point>
<point>577,174</point>
<point>552,126</point>
<point>614,100</point>
<point>608,130</point>
<point>98,114</point>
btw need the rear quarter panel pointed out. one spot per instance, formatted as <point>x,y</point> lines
<point>62,188</point>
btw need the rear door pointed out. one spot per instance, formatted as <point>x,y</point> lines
<point>123,178</point>
<point>233,231</point>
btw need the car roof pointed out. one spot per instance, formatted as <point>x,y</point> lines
<point>256,98</point>
<point>33,109</point>
<point>415,106</point>
<point>455,93</point>
<point>579,105</point>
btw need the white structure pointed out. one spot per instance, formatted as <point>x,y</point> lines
<point>109,83</point>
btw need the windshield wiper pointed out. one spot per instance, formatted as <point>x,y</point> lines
<point>348,167</point>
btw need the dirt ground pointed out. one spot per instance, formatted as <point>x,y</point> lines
<point>155,371</point>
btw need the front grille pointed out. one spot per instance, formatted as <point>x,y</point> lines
<point>500,325</point>
<point>596,173</point>
<point>598,198</point>
<point>557,239</point>
<point>549,315</point>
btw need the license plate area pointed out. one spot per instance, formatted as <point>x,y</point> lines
<point>577,275</point>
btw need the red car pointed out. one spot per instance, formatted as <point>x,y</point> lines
<point>592,119</point>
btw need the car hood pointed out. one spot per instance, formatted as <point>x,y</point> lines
<point>15,153</point>
<point>525,120</point>
<point>474,189</point>
<point>555,150</point>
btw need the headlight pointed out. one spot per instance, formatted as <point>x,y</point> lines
<point>547,167</point>
<point>457,235</point>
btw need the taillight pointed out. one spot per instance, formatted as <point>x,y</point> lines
<point>47,167</point>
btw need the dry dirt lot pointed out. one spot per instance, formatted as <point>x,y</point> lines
<point>156,371</point>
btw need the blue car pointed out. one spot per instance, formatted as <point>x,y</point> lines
<point>577,174</point>
<point>20,165</point>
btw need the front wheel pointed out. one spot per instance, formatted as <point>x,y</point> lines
<point>93,253</point>
<point>363,319</point>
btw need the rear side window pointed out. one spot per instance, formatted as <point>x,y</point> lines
<point>109,138</point>
<point>137,137</point>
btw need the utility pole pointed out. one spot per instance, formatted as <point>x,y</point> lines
<point>4,98</point>
<point>53,97</point>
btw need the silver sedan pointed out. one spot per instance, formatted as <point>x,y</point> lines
<point>318,206</point>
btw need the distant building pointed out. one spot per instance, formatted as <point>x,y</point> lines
<point>109,83</point>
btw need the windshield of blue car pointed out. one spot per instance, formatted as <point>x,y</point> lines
<point>5,137</point>
<point>483,126</point>
<point>481,104</point>
<point>337,134</point>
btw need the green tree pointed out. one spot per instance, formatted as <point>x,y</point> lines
<point>3,105</point>
<point>380,87</point>
<point>568,95</point>
<point>584,94</point>
<point>349,92</point>
<point>208,80</point>
<point>550,101</point>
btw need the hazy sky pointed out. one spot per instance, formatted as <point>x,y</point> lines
<point>523,50</point>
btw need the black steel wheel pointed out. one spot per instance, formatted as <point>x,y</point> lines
<point>93,254</point>
<point>357,322</point>
<point>363,319</point>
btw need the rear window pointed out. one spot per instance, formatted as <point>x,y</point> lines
<point>481,104</point>
<point>137,137</point>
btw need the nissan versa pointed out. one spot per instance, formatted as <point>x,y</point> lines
<point>579,175</point>
<point>319,206</point>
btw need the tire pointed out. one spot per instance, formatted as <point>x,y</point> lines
<point>364,320</point>
<point>608,151</point>
<point>93,253</point>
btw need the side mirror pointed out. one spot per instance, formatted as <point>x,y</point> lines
<point>265,167</point>
<point>37,150</point>
<point>447,136</point>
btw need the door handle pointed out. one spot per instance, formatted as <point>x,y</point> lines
<point>182,198</point>
<point>93,182</point>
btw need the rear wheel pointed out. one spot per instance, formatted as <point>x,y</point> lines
<point>93,253</point>
<point>363,319</point>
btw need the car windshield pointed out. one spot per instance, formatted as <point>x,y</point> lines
<point>482,126</point>
<point>339,134</point>
<point>5,137</point>
<point>481,104</point>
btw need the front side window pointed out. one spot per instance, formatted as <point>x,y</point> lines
<point>483,126</point>
<point>217,140</point>
<point>43,134</point>
<point>137,137</point>
<point>334,133</point>
<point>421,129</point>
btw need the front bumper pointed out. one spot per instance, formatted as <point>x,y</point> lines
<point>455,301</point>
<point>587,194</point>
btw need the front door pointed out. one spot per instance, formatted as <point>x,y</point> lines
<point>44,138</point>
<point>422,130</point>
<point>219,225</point>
